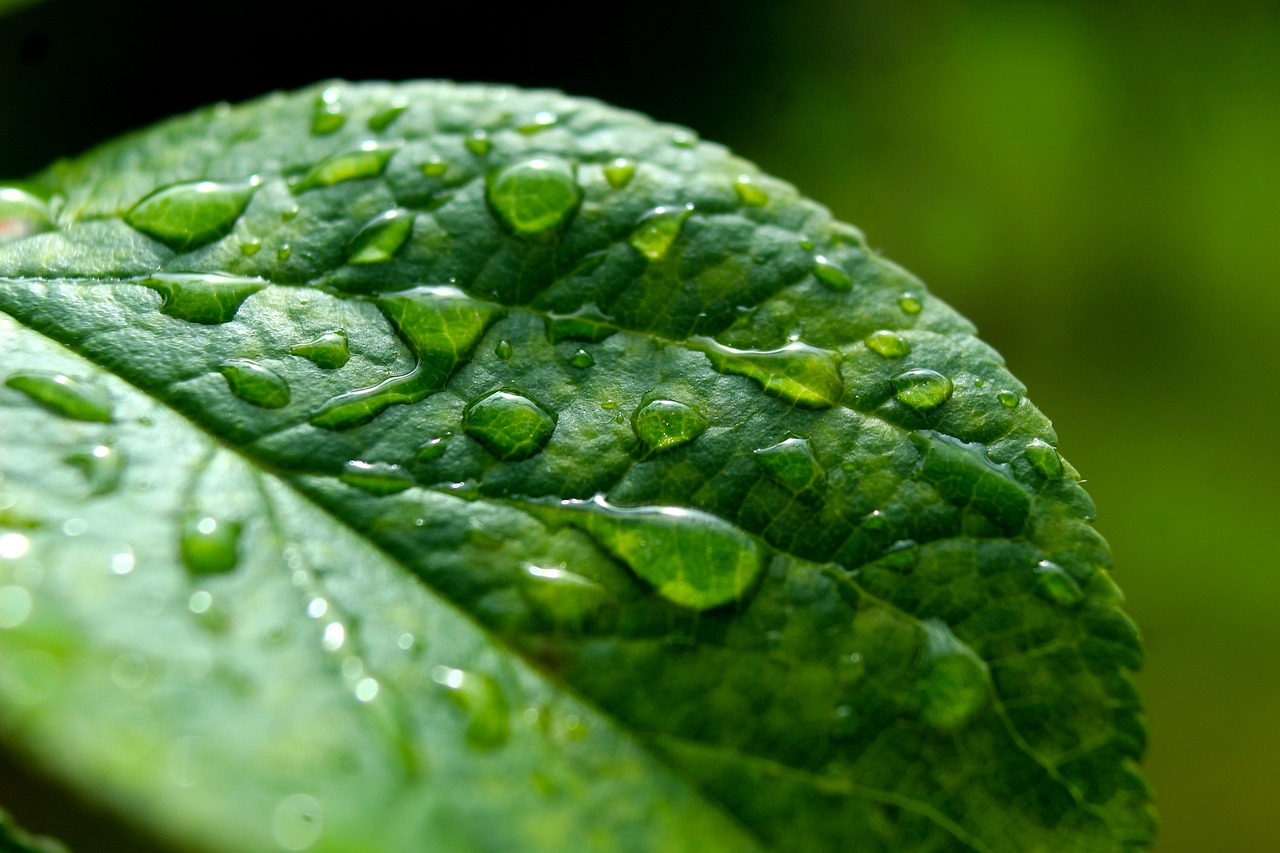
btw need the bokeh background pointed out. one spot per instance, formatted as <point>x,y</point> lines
<point>1095,184</point>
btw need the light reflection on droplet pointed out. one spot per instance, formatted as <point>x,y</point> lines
<point>122,563</point>
<point>200,601</point>
<point>367,689</point>
<point>317,607</point>
<point>13,545</point>
<point>334,636</point>
<point>405,642</point>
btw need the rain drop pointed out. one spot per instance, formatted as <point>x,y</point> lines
<point>254,383</point>
<point>510,426</point>
<point>1044,456</point>
<point>384,117</point>
<point>189,215</point>
<point>658,229</point>
<point>832,276</point>
<point>581,359</point>
<point>478,143</point>
<point>888,344</point>
<point>667,424</point>
<point>1055,585</point>
<point>619,172</point>
<point>749,193</point>
<point>380,238</point>
<point>64,395</point>
<point>367,161</point>
<point>328,350</point>
<point>206,298</point>
<point>534,197</point>
<point>791,462</point>
<point>328,115</point>
<point>797,373</point>
<point>209,545</point>
<point>482,700</point>
<point>922,389</point>
<point>376,478</point>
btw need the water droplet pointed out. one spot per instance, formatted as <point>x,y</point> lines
<point>317,607</point>
<point>101,465</point>
<point>806,244</point>
<point>328,115</point>
<point>13,546</point>
<point>581,359</point>
<point>797,373</point>
<point>658,229</point>
<point>1044,456</point>
<point>434,448</point>
<point>503,350</point>
<point>509,426</point>
<point>791,463</point>
<point>380,238</point>
<point>684,139</point>
<point>910,303</point>
<point>1009,399</point>
<point>376,478</point>
<point>333,637</point>
<point>690,557</point>
<point>296,822</point>
<point>367,161</point>
<point>619,172</point>
<point>585,324</point>
<point>831,275</point>
<point>249,248</point>
<point>384,117</point>
<point>922,389</point>
<point>254,383</point>
<point>540,122</point>
<point>366,690</point>
<point>433,167</point>
<point>186,216</point>
<point>209,545</point>
<point>534,197</point>
<point>289,213</point>
<point>284,252</point>
<point>405,642</point>
<point>953,679</point>
<point>888,344</point>
<point>482,699</point>
<point>478,143</point>
<point>1056,586</point>
<point>441,326</point>
<point>749,194</point>
<point>122,563</point>
<point>208,299</point>
<point>22,214</point>
<point>965,475</point>
<point>64,395</point>
<point>666,424</point>
<point>328,350</point>
<point>15,606</point>
<point>200,602</point>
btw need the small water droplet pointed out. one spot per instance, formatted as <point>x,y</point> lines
<point>249,248</point>
<point>806,244</point>
<point>690,557</point>
<point>888,344</point>
<point>536,196</point>
<point>254,383</point>
<point>380,238</point>
<point>1009,399</point>
<point>510,426</point>
<point>329,115</point>
<point>209,545</point>
<point>434,448</point>
<point>384,117</point>
<point>922,389</point>
<point>15,606</point>
<point>503,350</point>
<point>64,395</point>
<point>538,123</point>
<point>1056,586</point>
<point>189,215</point>
<point>284,252</point>
<point>478,143</point>
<point>482,699</point>
<point>953,679</point>
<point>797,373</point>
<point>433,167</point>
<point>1044,456</point>
<point>22,214</point>
<point>376,478</point>
<point>684,139</point>
<point>208,299</point>
<point>791,463</point>
<point>658,229</point>
<point>667,424</point>
<point>832,276</point>
<point>328,350</point>
<point>289,213</point>
<point>619,172</point>
<point>581,359</point>
<point>367,161</point>
<point>749,194</point>
<point>296,822</point>
<point>910,303</point>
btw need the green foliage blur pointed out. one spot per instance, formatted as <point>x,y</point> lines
<point>1096,185</point>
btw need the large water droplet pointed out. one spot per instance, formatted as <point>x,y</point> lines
<point>690,557</point>
<point>581,359</point>
<point>509,426</point>
<point>537,196</point>
<point>209,545</point>
<point>103,467</point>
<point>203,298</point>
<point>749,193</point>
<point>384,117</point>
<point>504,350</point>
<point>65,395</point>
<point>255,383</point>
<point>888,344</point>
<point>329,114</point>
<point>376,478</point>
<point>831,275</point>
<point>922,389</point>
<point>328,350</point>
<point>380,238</point>
<point>953,679</point>
<point>666,424</point>
<point>1054,585</point>
<point>791,463</point>
<point>797,373</point>
<point>441,326</point>
<point>910,303</point>
<point>657,231</point>
<point>1044,456</point>
<point>964,475</point>
<point>619,172</point>
<point>22,214</point>
<point>1009,399</point>
<point>185,216</point>
<point>367,161</point>
<point>482,699</point>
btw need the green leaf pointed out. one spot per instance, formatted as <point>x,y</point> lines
<point>14,840</point>
<point>511,472</point>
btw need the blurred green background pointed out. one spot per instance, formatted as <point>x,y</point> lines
<point>1096,185</point>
